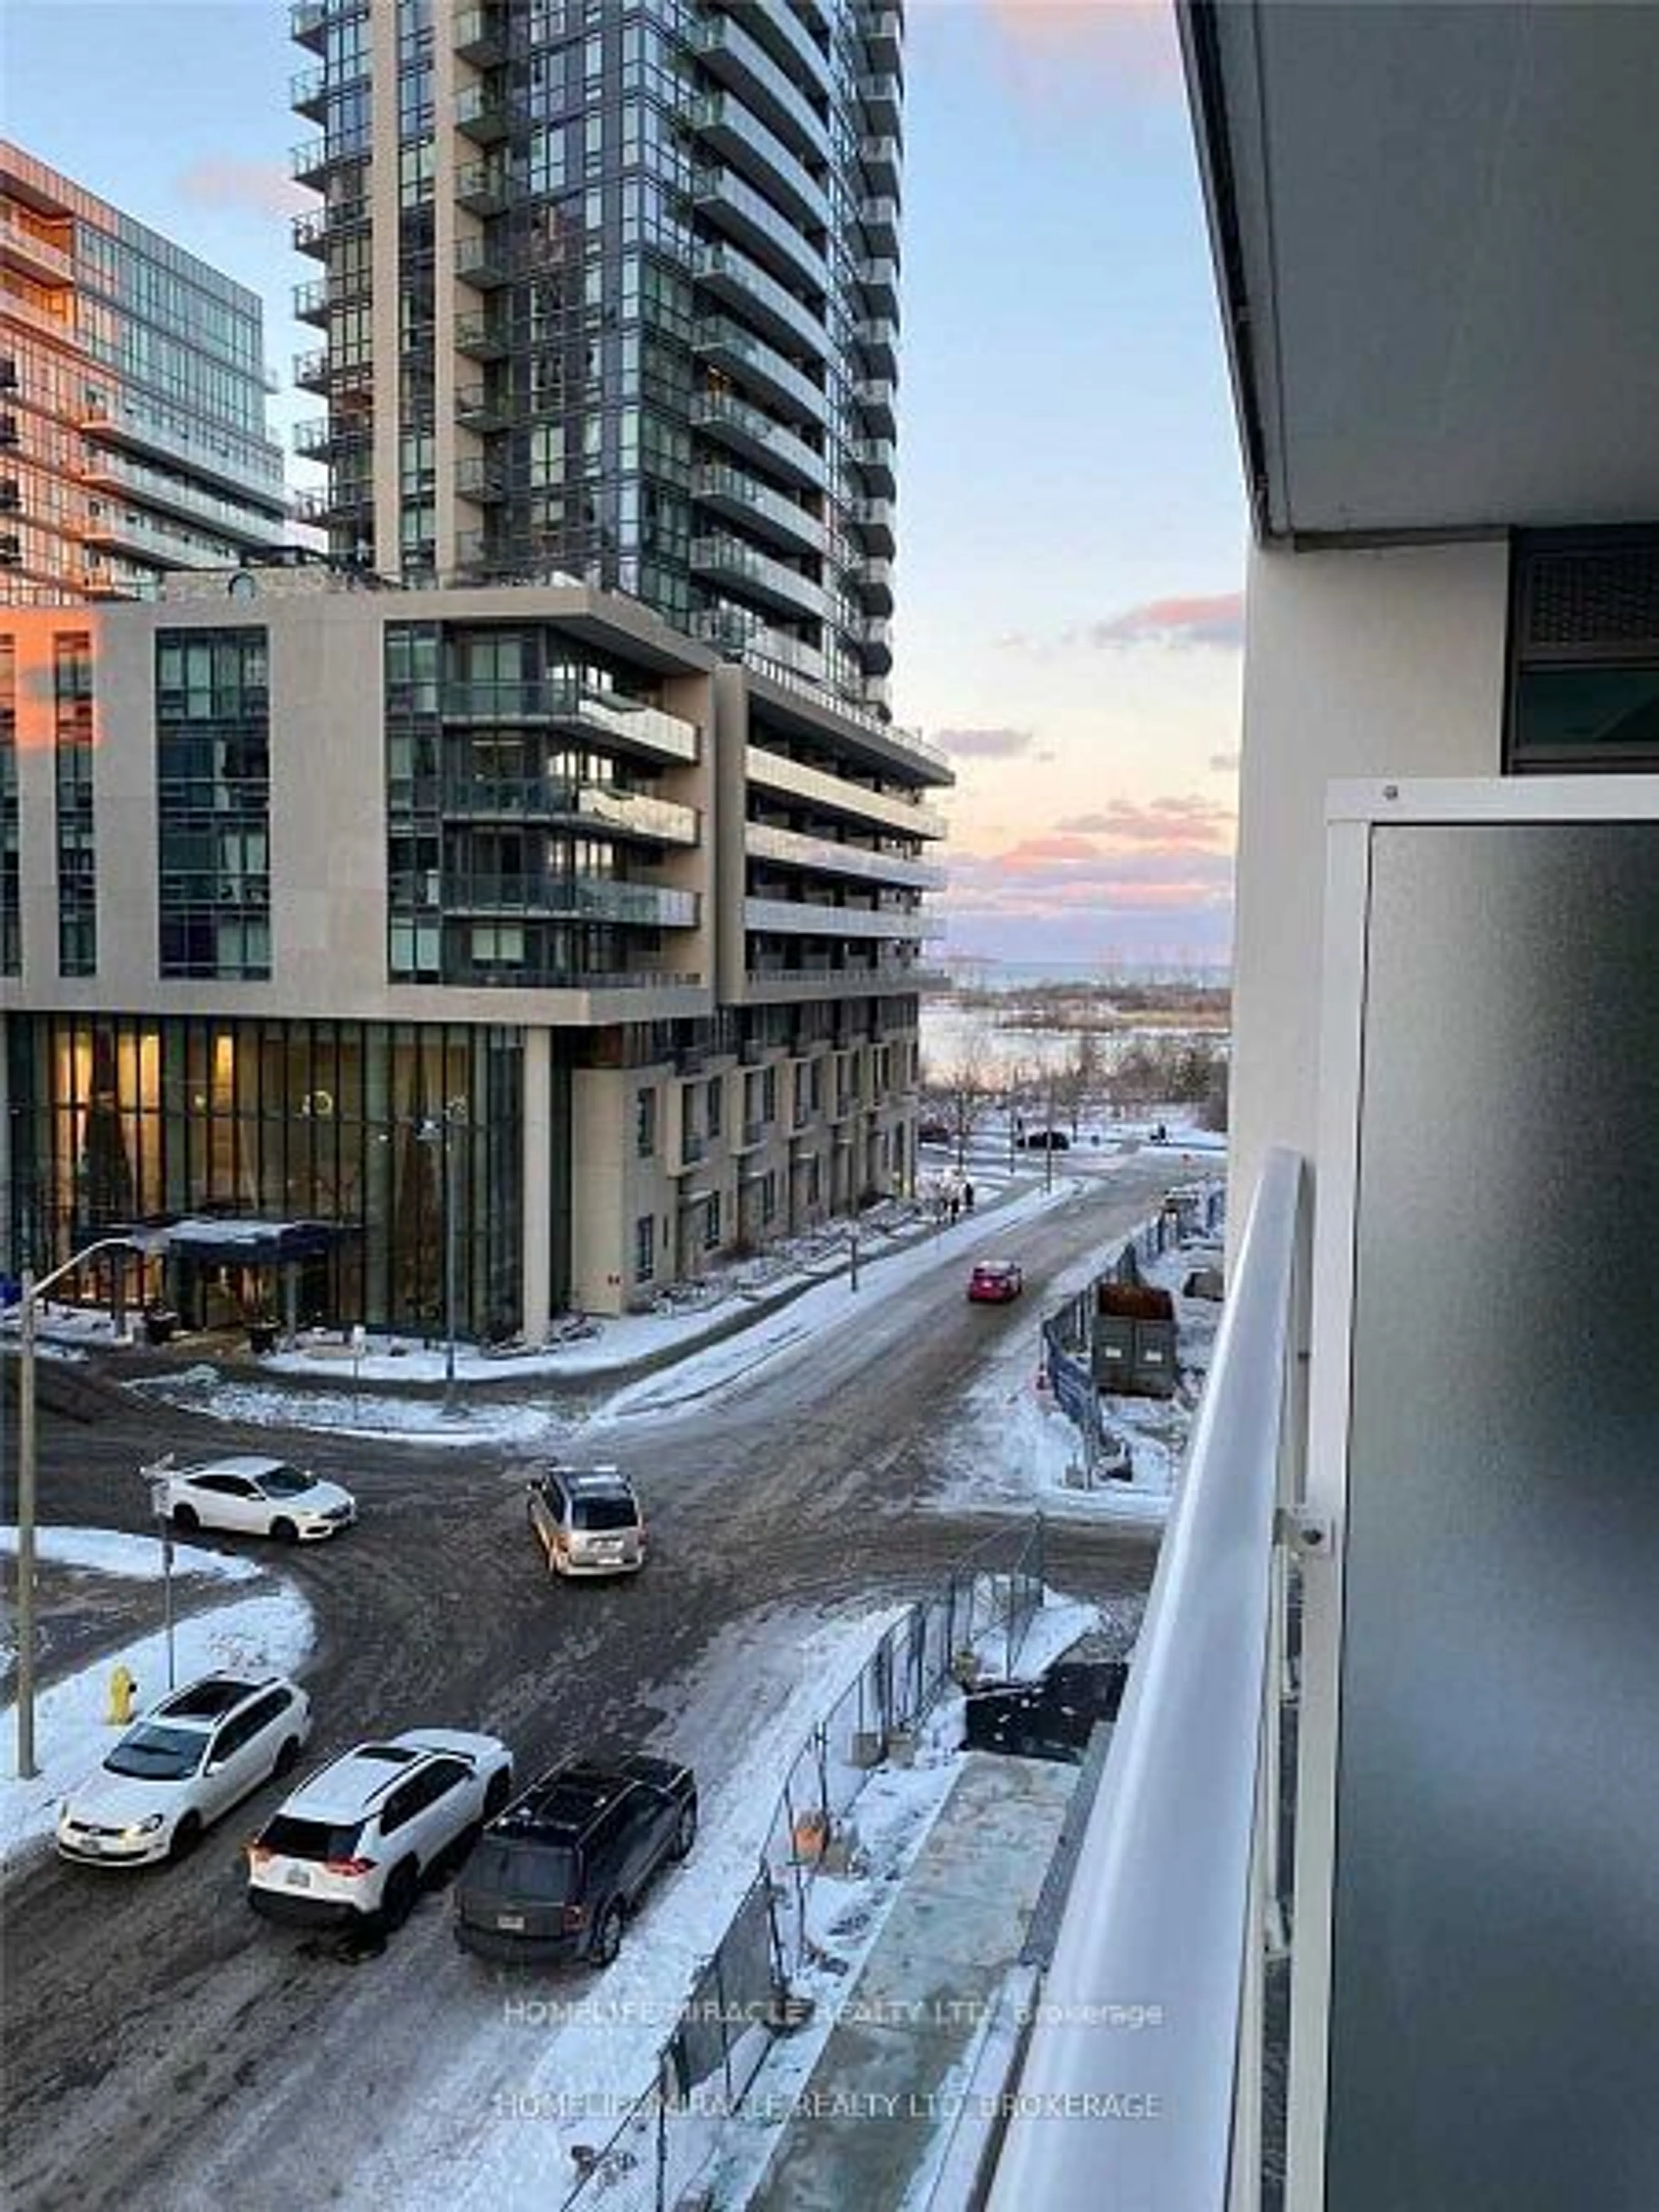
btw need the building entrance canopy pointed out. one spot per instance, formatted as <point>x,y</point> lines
<point>236,1242</point>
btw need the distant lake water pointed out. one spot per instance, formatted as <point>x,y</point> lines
<point>955,1037</point>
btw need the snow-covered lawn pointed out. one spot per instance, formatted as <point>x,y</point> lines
<point>266,1633</point>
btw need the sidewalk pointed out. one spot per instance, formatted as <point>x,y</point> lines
<point>624,1349</point>
<point>881,2089</point>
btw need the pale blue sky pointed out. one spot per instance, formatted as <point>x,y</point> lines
<point>1070,504</point>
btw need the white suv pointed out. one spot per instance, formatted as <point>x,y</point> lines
<point>189,1760</point>
<point>355,1841</point>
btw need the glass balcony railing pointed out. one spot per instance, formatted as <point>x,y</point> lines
<point>242,525</point>
<point>882,158</point>
<point>487,114</point>
<point>733,131</point>
<point>804,918</point>
<point>877,339</point>
<point>775,652</point>
<point>875,457</point>
<point>883,100</point>
<point>741,353</point>
<point>827,856</point>
<point>585,898</point>
<point>566,701</point>
<point>38,257</point>
<point>877,401</point>
<point>878,219</point>
<point>750,431</point>
<point>739,280</point>
<point>788,38</point>
<point>731,491</point>
<point>734,562</point>
<point>842,795</point>
<point>1192,1781</point>
<point>481,36</point>
<point>873,521</point>
<point>735,57</point>
<point>253,473</point>
<point>725,196</point>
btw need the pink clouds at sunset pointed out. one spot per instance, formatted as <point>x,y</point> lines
<point>1218,620</point>
<point>1169,821</point>
<point>1123,877</point>
<point>1122,49</point>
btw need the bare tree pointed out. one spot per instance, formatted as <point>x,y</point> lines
<point>1079,1083</point>
<point>958,1099</point>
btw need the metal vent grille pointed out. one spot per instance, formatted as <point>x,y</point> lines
<point>1603,598</point>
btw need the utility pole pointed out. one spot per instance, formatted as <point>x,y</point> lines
<point>31,1294</point>
<point>441,1132</point>
<point>26,1768</point>
<point>455,1109</point>
<point>1048,1145</point>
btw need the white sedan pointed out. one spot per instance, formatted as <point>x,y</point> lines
<point>251,1494</point>
<point>189,1760</point>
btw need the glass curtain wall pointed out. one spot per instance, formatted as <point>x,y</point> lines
<point>367,1125</point>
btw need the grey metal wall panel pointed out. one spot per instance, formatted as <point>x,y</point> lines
<point>1495,2001</point>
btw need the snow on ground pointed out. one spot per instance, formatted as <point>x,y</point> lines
<point>521,1422</point>
<point>892,1820</point>
<point>707,1375</point>
<point>560,2060</point>
<point>264,1634</point>
<point>138,1558</point>
<point>202,1389</point>
<point>548,2060</point>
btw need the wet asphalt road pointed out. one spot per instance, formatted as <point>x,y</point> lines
<point>162,2046</point>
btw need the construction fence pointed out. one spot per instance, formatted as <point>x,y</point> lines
<point>1189,1212</point>
<point>742,1999</point>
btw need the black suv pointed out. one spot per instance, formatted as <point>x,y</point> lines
<point>556,1876</point>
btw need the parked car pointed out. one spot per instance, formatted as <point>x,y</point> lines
<point>251,1494</point>
<point>587,1521</point>
<point>1046,1141</point>
<point>993,1282</point>
<point>565,1866</point>
<point>355,1842</point>
<point>933,1133</point>
<point>188,1759</point>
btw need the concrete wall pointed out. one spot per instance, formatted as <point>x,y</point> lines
<point>1357,664</point>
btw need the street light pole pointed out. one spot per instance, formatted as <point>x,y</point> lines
<point>452,1159</point>
<point>31,1293</point>
<point>26,1768</point>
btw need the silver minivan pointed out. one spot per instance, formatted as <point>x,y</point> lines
<point>587,1521</point>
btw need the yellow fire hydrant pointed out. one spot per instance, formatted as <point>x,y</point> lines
<point>123,1689</point>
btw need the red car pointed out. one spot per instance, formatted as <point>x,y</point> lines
<point>993,1282</point>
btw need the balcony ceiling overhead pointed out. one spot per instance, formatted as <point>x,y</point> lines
<point>1436,234</point>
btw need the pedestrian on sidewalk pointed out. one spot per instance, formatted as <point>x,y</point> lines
<point>967,1198</point>
<point>956,1208</point>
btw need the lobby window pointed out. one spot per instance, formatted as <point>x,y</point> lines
<point>645,1248</point>
<point>1584,653</point>
<point>711,1222</point>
